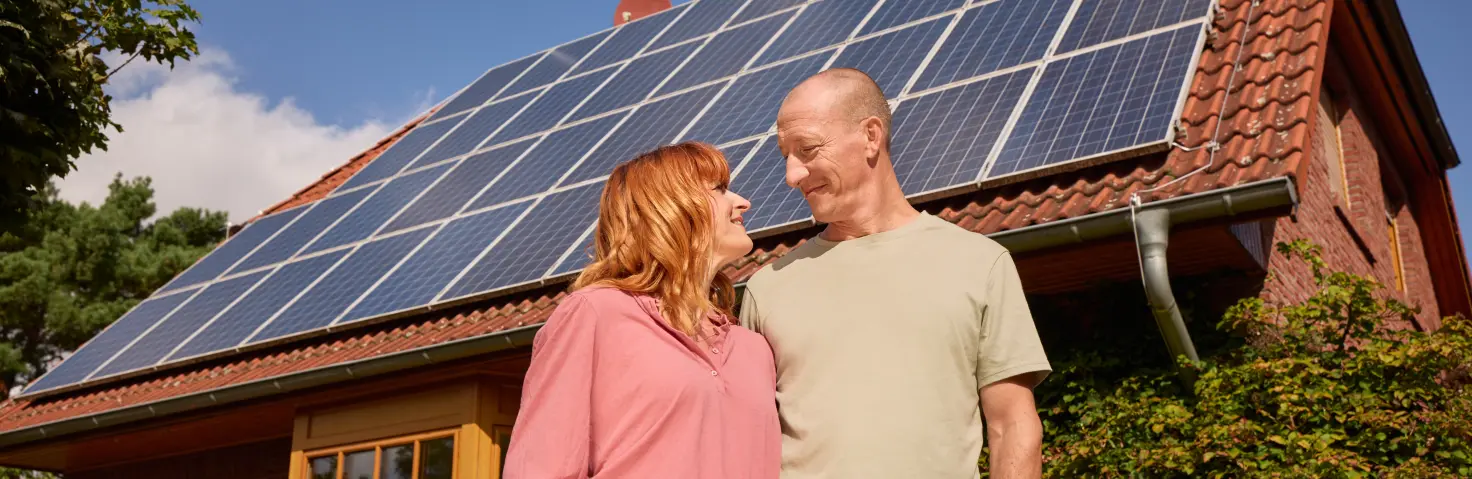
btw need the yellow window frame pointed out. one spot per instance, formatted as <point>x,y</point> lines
<point>377,446</point>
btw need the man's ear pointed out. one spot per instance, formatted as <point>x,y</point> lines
<point>873,137</point>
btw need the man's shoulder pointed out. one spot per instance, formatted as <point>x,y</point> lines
<point>948,238</point>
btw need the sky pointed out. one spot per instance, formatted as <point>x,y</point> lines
<point>284,91</point>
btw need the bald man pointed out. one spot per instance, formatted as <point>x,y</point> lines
<point>895,332</point>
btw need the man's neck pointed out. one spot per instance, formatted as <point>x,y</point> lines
<point>888,212</point>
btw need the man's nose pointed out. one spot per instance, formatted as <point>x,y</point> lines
<point>796,172</point>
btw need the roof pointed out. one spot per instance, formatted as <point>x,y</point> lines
<point>1264,135</point>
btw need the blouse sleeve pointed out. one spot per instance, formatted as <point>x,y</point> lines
<point>551,437</point>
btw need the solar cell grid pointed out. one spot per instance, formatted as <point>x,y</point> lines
<point>554,64</point>
<point>540,168</point>
<point>726,53</point>
<point>994,37</point>
<point>647,128</point>
<point>79,365</point>
<point>233,326</point>
<point>762,181</point>
<point>314,221</point>
<point>891,58</point>
<point>401,153</point>
<point>822,24</point>
<point>749,106</point>
<point>318,306</point>
<point>635,82</point>
<point>485,88</point>
<point>1066,118</point>
<point>473,131</point>
<point>943,139</point>
<point>893,14</point>
<point>534,245</point>
<point>1100,21</point>
<point>757,8</point>
<point>430,270</point>
<point>148,349</point>
<point>549,109</point>
<point>377,209</point>
<point>460,185</point>
<point>237,247</point>
<point>628,40</point>
<point>705,16</point>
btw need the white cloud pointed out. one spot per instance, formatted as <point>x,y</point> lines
<point>208,144</point>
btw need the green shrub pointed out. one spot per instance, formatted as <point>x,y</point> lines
<point>1318,389</point>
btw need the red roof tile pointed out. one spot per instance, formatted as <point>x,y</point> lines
<point>1264,135</point>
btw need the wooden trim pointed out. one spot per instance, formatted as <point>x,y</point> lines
<point>302,467</point>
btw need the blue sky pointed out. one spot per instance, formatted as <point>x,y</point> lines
<point>348,73</point>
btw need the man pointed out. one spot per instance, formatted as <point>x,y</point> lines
<point>894,331</point>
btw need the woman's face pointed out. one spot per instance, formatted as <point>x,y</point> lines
<point>730,239</point>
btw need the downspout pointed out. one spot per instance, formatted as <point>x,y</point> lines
<point>1152,237</point>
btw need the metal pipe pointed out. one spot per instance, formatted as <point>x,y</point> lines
<point>1152,237</point>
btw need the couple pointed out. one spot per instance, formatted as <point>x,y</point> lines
<point>875,349</point>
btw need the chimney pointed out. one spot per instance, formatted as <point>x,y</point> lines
<point>630,10</point>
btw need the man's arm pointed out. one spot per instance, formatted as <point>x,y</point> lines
<point>1013,431</point>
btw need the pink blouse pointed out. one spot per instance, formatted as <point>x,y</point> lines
<point>614,392</point>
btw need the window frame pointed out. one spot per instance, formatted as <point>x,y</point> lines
<point>1329,101</point>
<point>1396,261</point>
<point>378,445</point>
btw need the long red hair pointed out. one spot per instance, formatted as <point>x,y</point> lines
<point>654,233</point>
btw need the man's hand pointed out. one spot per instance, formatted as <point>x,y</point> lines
<point>1014,432</point>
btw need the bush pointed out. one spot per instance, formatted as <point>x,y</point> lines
<point>1319,389</point>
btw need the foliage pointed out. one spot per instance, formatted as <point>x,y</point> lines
<point>69,271</point>
<point>52,106</point>
<point>1325,388</point>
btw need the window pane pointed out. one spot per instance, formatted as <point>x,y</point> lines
<point>398,462</point>
<point>324,467</point>
<point>503,437</point>
<point>437,458</point>
<point>358,465</point>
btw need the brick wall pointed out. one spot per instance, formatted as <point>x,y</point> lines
<point>1355,234</point>
<point>260,460</point>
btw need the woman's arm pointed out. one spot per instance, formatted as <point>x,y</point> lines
<point>551,437</point>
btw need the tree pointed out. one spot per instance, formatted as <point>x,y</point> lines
<point>52,105</point>
<point>1322,388</point>
<point>69,270</point>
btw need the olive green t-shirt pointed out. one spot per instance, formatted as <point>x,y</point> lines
<point>882,343</point>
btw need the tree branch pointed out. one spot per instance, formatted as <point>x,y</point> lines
<point>120,67</point>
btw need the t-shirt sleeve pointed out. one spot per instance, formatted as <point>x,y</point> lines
<point>749,317</point>
<point>1009,339</point>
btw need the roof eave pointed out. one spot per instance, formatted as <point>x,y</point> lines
<point>1387,18</point>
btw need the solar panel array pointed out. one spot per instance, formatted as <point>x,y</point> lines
<point>499,188</point>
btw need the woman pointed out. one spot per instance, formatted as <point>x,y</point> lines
<point>641,372</point>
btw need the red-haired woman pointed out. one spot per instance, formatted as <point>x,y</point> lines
<point>641,372</point>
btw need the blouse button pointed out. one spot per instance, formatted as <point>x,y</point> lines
<point>712,372</point>
<point>715,351</point>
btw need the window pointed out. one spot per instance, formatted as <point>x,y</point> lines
<point>426,456</point>
<point>1330,116</point>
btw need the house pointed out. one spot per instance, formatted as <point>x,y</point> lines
<point>1303,119</point>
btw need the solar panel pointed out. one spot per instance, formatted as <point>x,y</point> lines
<point>534,245</point>
<point>749,106</point>
<point>820,25</point>
<point>944,139</point>
<point>499,189</point>
<point>555,64</point>
<point>320,305</point>
<point>891,58</point>
<point>163,338</point>
<point>726,53</point>
<point>474,130</point>
<point>1102,101</point>
<point>648,127</point>
<point>485,88</point>
<point>635,82</point>
<point>993,37</point>
<point>459,186</point>
<point>233,326</point>
<point>703,17</point>
<point>1101,21</point>
<point>233,250</point>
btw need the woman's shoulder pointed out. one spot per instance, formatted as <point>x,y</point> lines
<point>601,297</point>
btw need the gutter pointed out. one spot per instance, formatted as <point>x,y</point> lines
<point>1238,201</point>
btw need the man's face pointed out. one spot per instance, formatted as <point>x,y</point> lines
<point>827,154</point>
